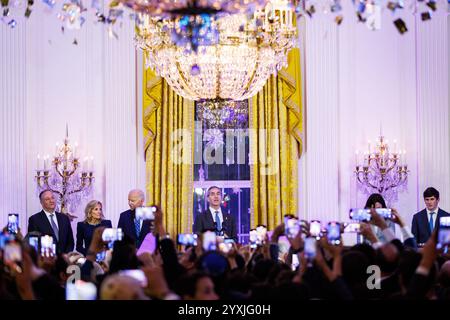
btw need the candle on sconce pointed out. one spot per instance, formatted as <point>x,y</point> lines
<point>369,142</point>
<point>56,149</point>
<point>85,164</point>
<point>46,163</point>
<point>75,147</point>
<point>357,157</point>
<point>395,146</point>
<point>91,167</point>
<point>39,162</point>
<point>404,158</point>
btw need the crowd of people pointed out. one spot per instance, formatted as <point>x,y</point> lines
<point>383,267</point>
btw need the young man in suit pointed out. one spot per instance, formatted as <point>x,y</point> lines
<point>214,219</point>
<point>50,222</point>
<point>133,228</point>
<point>425,221</point>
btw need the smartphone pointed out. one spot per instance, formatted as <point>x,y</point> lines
<point>12,255</point>
<point>209,241</point>
<point>291,227</point>
<point>101,256</point>
<point>310,248</point>
<point>33,241</point>
<point>187,239</point>
<point>443,235</point>
<point>137,274</point>
<point>361,215</point>
<point>334,233</point>
<point>261,232</point>
<point>315,228</point>
<point>5,238</point>
<point>295,262</point>
<point>12,252</point>
<point>352,227</point>
<point>48,247</point>
<point>112,234</point>
<point>146,213</point>
<point>81,290</point>
<point>253,238</point>
<point>225,247</point>
<point>13,223</point>
<point>384,212</point>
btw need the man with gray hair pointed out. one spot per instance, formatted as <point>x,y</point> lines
<point>135,229</point>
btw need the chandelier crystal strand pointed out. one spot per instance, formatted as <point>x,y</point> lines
<point>230,57</point>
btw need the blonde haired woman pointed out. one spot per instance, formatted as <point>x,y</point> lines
<point>93,219</point>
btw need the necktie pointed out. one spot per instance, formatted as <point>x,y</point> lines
<point>137,226</point>
<point>431,222</point>
<point>218,223</point>
<point>54,227</point>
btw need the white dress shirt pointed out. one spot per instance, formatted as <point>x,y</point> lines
<point>50,218</point>
<point>213,213</point>
<point>434,216</point>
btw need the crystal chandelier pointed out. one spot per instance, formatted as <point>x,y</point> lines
<point>223,114</point>
<point>383,171</point>
<point>219,56</point>
<point>166,8</point>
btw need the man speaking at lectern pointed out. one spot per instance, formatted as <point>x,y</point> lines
<point>214,219</point>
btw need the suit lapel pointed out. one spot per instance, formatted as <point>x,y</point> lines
<point>425,222</point>
<point>46,224</point>
<point>209,222</point>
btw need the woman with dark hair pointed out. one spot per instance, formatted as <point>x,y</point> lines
<point>376,201</point>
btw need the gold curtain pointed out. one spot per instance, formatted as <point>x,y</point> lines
<point>276,145</point>
<point>168,138</point>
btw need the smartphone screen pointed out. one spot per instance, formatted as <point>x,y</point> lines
<point>310,248</point>
<point>362,215</point>
<point>315,228</point>
<point>253,238</point>
<point>295,262</point>
<point>33,241</point>
<point>384,212</point>
<point>209,241</point>
<point>112,234</point>
<point>292,227</point>
<point>334,233</point>
<point>443,238</point>
<point>225,247</point>
<point>13,223</point>
<point>146,213</point>
<point>261,232</point>
<point>48,247</point>
<point>12,252</point>
<point>352,227</point>
<point>187,239</point>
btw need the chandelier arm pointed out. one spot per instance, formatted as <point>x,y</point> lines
<point>366,181</point>
<point>80,188</point>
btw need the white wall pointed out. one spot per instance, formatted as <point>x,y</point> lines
<point>47,81</point>
<point>355,79</point>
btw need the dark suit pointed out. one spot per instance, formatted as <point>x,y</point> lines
<point>205,221</point>
<point>85,231</point>
<point>126,223</point>
<point>39,222</point>
<point>421,226</point>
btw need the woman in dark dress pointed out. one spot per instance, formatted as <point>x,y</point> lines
<point>93,219</point>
